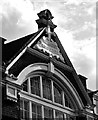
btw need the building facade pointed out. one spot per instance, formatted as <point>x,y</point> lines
<point>39,80</point>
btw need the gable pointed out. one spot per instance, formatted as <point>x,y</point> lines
<point>43,47</point>
<point>50,47</point>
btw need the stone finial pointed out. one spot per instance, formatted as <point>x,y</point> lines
<point>45,19</point>
<point>46,14</point>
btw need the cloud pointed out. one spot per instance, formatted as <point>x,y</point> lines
<point>77,16</point>
<point>83,63</point>
<point>18,18</point>
<point>84,34</point>
<point>87,67</point>
<point>77,2</point>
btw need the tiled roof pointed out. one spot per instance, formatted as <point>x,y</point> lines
<point>11,49</point>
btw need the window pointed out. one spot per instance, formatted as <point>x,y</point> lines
<point>35,85</point>
<point>59,115</point>
<point>57,94</point>
<point>36,111</point>
<point>25,86</point>
<point>69,117</point>
<point>46,88</point>
<point>67,101</point>
<point>48,113</point>
<point>42,86</point>
<point>24,109</point>
<point>11,90</point>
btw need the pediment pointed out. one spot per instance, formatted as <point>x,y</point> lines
<point>50,47</point>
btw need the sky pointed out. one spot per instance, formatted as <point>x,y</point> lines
<point>76,28</point>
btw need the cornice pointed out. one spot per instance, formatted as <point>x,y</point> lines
<point>47,58</point>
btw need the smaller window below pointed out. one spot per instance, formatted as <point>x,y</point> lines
<point>24,109</point>
<point>59,115</point>
<point>36,111</point>
<point>48,113</point>
<point>69,117</point>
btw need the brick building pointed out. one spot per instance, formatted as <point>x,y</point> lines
<point>39,80</point>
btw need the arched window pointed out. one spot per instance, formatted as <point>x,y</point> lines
<point>48,99</point>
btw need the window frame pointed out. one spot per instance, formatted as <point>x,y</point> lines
<point>35,87</point>
<point>50,99</point>
<point>41,97</point>
<point>9,94</point>
<point>52,91</point>
<point>23,110</point>
<point>36,112</point>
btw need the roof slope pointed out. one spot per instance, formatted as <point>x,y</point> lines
<point>11,49</point>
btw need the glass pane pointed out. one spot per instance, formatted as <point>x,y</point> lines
<point>39,116</point>
<point>21,104</point>
<point>33,108</point>
<point>68,102</point>
<point>48,113</point>
<point>38,92</point>
<point>35,85</point>
<point>25,86</point>
<point>36,110</point>
<point>26,105</point>
<point>69,117</point>
<point>47,88</point>
<point>24,109</point>
<point>57,94</point>
<point>34,115</point>
<point>21,113</point>
<point>59,115</point>
<point>26,114</point>
<point>39,109</point>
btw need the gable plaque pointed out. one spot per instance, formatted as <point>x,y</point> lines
<point>49,47</point>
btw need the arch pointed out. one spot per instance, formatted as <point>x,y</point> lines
<point>42,66</point>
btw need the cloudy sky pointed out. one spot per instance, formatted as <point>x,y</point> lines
<point>76,28</point>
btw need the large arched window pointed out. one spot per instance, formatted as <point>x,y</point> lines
<point>47,99</point>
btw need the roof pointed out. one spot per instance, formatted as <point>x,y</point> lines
<point>11,49</point>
